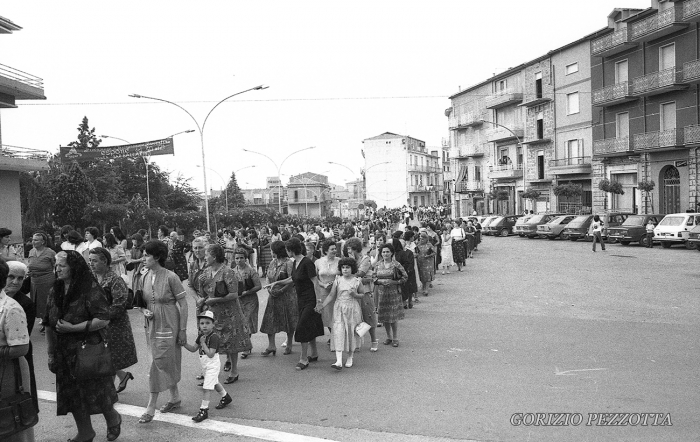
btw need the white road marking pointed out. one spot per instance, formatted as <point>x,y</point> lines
<point>209,424</point>
<point>572,372</point>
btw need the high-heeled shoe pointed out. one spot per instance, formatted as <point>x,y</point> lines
<point>122,385</point>
<point>231,379</point>
<point>114,431</point>
<point>246,354</point>
<point>86,440</point>
<point>337,367</point>
<point>312,358</point>
<point>268,351</point>
<point>287,351</point>
<point>227,367</point>
<point>387,341</point>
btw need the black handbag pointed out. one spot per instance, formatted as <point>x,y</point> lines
<point>17,411</point>
<point>93,360</point>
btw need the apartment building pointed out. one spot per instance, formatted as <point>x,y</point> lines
<point>645,75</point>
<point>400,170</point>
<point>264,197</point>
<point>16,85</point>
<point>528,128</point>
<point>308,194</point>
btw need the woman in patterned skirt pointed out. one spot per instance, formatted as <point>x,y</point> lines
<point>248,287</point>
<point>121,339</point>
<point>219,286</point>
<point>265,252</point>
<point>281,312</point>
<point>425,257</point>
<point>388,275</point>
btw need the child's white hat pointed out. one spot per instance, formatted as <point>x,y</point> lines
<point>207,314</point>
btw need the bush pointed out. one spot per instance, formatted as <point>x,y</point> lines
<point>611,187</point>
<point>531,194</point>
<point>568,190</point>
<point>646,186</point>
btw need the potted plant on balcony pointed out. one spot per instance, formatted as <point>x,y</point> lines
<point>608,186</point>
<point>647,187</point>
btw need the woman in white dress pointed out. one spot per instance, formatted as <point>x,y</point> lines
<point>446,251</point>
<point>345,295</point>
<point>327,270</point>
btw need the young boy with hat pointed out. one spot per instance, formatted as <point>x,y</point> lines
<point>207,344</point>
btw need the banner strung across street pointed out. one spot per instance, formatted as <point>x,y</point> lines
<point>157,147</point>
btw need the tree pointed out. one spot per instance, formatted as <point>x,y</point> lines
<point>182,196</point>
<point>648,187</point>
<point>370,203</point>
<point>233,193</point>
<point>531,194</point>
<point>72,192</point>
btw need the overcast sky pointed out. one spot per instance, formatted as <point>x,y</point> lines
<point>338,72</point>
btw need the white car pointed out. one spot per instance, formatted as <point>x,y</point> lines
<point>674,228</point>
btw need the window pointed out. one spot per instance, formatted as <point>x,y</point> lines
<point>572,103</point>
<point>622,125</point>
<point>519,153</point>
<point>538,84</point>
<point>296,195</point>
<point>667,57</point>
<point>540,125</point>
<point>573,149</point>
<point>621,75</point>
<point>540,165</point>
<point>668,116</point>
<point>501,86</point>
<point>571,68</point>
<point>477,173</point>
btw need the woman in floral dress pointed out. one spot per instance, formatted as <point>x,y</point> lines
<point>388,275</point>
<point>219,285</point>
<point>425,257</point>
<point>248,287</point>
<point>265,252</point>
<point>281,313</point>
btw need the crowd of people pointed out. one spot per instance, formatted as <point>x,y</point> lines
<point>350,279</point>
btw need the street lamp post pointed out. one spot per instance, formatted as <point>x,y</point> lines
<point>519,144</point>
<point>201,134</point>
<point>279,169</point>
<point>146,160</point>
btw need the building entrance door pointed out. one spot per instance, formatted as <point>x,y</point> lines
<point>671,191</point>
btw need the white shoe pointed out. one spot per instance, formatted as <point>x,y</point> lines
<point>443,272</point>
<point>284,344</point>
<point>348,363</point>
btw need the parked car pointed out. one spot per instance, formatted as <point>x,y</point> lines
<point>529,227</point>
<point>633,229</point>
<point>555,227</point>
<point>503,225</point>
<point>675,229</point>
<point>694,237</point>
<point>578,227</point>
<point>485,224</point>
<point>519,223</point>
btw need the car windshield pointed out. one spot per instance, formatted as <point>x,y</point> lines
<point>522,220</point>
<point>634,220</point>
<point>578,221</point>
<point>536,219</point>
<point>557,220</point>
<point>672,221</point>
<point>496,221</point>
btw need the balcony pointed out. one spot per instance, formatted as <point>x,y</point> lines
<point>423,168</point>
<point>691,10</point>
<point>417,188</point>
<point>691,135</point>
<point>18,85</point>
<point>22,159</point>
<point>504,98</point>
<point>691,71</point>
<point>658,83</point>
<point>660,24</point>
<point>471,119</point>
<point>611,147</point>
<point>570,166</point>
<point>473,151</point>
<point>469,186</point>
<point>614,94</point>
<point>501,134</point>
<point>611,44</point>
<point>506,171</point>
<point>530,100</point>
<point>658,140</point>
<point>536,141</point>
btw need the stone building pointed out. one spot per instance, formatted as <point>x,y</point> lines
<point>308,194</point>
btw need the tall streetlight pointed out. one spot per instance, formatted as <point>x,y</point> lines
<point>519,144</point>
<point>146,159</point>
<point>201,134</point>
<point>279,169</point>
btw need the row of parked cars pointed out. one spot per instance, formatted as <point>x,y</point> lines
<point>621,227</point>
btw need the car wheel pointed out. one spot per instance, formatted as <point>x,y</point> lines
<point>666,245</point>
<point>643,241</point>
<point>625,243</point>
<point>504,232</point>
<point>564,236</point>
<point>522,235</point>
<point>689,245</point>
<point>572,238</point>
<point>550,237</point>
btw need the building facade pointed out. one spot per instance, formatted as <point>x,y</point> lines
<point>309,194</point>
<point>645,75</point>
<point>400,170</point>
<point>268,196</point>
<point>16,85</point>
<point>526,129</point>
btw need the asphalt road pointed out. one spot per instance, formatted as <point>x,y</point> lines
<point>531,326</point>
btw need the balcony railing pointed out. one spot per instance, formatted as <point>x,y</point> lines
<point>658,139</point>
<point>504,98</point>
<point>691,134</point>
<point>691,71</point>
<point>610,146</point>
<point>505,167</point>
<point>473,150</point>
<point>503,134</point>
<point>691,10</point>
<point>658,82</point>
<point>424,188</point>
<point>610,44</point>
<point>22,77</point>
<point>660,24</point>
<point>24,153</point>
<point>423,168</point>
<point>575,161</point>
<point>468,186</point>
<point>613,94</point>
